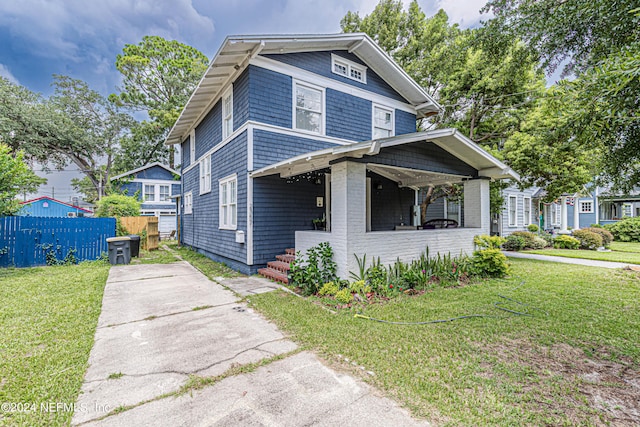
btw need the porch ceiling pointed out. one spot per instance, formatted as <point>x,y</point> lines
<point>449,140</point>
<point>413,178</point>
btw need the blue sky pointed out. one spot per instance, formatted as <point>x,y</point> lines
<point>81,38</point>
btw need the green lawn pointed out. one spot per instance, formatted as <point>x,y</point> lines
<point>620,252</point>
<point>563,366</point>
<point>48,317</point>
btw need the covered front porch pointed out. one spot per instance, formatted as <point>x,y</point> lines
<point>372,196</point>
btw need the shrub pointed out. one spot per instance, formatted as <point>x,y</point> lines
<point>595,226</point>
<point>606,235</point>
<point>344,296</point>
<point>533,228</point>
<point>626,230</point>
<point>360,287</point>
<point>117,205</point>
<point>514,243</point>
<point>329,288</point>
<point>319,267</point>
<point>490,263</point>
<point>488,242</point>
<point>588,239</point>
<point>538,243</point>
<point>527,236</point>
<point>566,242</point>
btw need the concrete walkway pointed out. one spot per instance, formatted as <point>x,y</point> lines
<point>565,260</point>
<point>163,325</point>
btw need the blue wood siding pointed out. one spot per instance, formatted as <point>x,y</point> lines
<point>186,154</point>
<point>170,207</point>
<point>241,99</point>
<point>155,172</point>
<point>269,147</point>
<point>209,131</point>
<point>130,189</point>
<point>405,122</point>
<point>201,228</point>
<point>175,189</point>
<point>421,156</point>
<point>320,63</point>
<point>48,208</point>
<point>270,97</point>
<point>279,209</point>
<point>348,116</point>
<point>391,205</point>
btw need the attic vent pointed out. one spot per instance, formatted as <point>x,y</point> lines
<point>348,69</point>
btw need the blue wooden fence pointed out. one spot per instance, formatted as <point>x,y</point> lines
<point>24,241</point>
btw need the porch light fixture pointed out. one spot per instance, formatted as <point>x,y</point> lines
<point>318,181</point>
<point>378,186</point>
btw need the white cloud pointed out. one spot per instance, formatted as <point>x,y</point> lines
<point>6,73</point>
<point>463,12</point>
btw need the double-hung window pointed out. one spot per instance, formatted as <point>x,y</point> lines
<point>513,212</point>
<point>188,203</point>
<point>164,193</point>
<point>227,113</point>
<point>308,109</point>
<point>383,122</point>
<point>149,193</point>
<point>205,174</point>
<point>228,202</point>
<point>527,210</point>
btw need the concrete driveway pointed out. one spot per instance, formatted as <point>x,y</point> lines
<point>164,324</point>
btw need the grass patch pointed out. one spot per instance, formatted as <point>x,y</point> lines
<point>207,266</point>
<point>115,376</point>
<point>626,247</point>
<point>48,317</point>
<point>620,252</point>
<point>157,256</point>
<point>504,370</point>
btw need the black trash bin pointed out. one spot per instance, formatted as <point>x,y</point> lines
<point>119,250</point>
<point>135,245</point>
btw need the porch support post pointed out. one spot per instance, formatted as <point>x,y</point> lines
<point>476,205</point>
<point>348,211</point>
<point>563,216</point>
<point>576,212</point>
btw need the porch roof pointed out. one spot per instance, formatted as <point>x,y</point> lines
<point>449,140</point>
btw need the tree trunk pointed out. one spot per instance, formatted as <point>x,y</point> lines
<point>425,204</point>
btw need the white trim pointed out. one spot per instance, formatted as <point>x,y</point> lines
<point>188,203</point>
<point>224,181</point>
<point>294,106</point>
<point>228,94</point>
<point>298,73</point>
<point>250,148</point>
<point>527,220</point>
<point>349,65</point>
<point>373,119</point>
<point>515,211</point>
<point>580,208</point>
<point>192,146</point>
<point>249,219</point>
<point>149,166</point>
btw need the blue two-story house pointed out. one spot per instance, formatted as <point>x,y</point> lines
<point>282,130</point>
<point>157,187</point>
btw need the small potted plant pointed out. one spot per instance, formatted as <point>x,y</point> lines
<point>319,223</point>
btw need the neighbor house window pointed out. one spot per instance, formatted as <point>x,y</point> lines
<point>228,202</point>
<point>205,174</point>
<point>192,146</point>
<point>586,207</point>
<point>348,69</point>
<point>527,210</point>
<point>513,213</point>
<point>188,203</point>
<point>382,122</point>
<point>308,108</point>
<point>557,213</point>
<point>227,114</point>
<point>164,193</point>
<point>149,193</point>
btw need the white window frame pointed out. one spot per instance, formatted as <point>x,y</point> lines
<point>188,203</point>
<point>583,203</point>
<point>228,202</point>
<point>526,203</point>
<point>384,108</point>
<point>205,174</point>
<point>144,192</point>
<point>192,146</point>
<point>512,204</point>
<point>227,113</point>
<point>557,212</point>
<point>168,198</point>
<point>349,67</point>
<point>323,107</point>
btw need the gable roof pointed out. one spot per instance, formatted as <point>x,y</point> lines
<point>236,52</point>
<point>28,202</point>
<point>145,167</point>
<point>449,140</point>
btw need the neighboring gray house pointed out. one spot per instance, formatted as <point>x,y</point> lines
<point>156,185</point>
<point>282,130</point>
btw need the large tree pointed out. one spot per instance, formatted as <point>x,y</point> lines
<point>158,77</point>
<point>15,178</point>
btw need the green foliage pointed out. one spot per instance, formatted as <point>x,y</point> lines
<point>526,235</point>
<point>533,228</point>
<point>359,287</point>
<point>606,235</point>
<point>117,205</point>
<point>588,239</point>
<point>318,268</point>
<point>514,243</point>
<point>329,288</point>
<point>344,296</point>
<point>538,243</point>
<point>566,242</point>
<point>51,255</point>
<point>485,241</point>
<point>490,263</point>
<point>15,178</point>
<point>626,230</point>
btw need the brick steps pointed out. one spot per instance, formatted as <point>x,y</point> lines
<point>279,270</point>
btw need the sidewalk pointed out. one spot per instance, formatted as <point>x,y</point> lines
<point>165,326</point>
<point>565,260</point>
